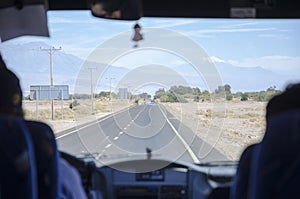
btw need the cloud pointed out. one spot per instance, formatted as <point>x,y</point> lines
<point>169,23</point>
<point>208,33</point>
<point>239,25</point>
<point>273,36</point>
<point>234,30</point>
<point>65,20</point>
<point>216,59</point>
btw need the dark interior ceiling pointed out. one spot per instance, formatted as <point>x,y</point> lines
<point>200,8</point>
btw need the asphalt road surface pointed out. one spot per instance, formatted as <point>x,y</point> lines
<point>129,133</point>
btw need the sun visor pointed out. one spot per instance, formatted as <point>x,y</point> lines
<point>27,20</point>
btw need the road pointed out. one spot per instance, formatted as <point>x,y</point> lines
<point>128,133</point>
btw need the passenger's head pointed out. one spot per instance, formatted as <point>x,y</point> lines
<point>10,92</point>
<point>287,101</point>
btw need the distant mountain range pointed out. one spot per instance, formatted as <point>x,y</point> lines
<point>32,65</point>
<point>252,78</point>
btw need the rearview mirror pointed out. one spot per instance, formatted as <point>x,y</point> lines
<point>117,9</point>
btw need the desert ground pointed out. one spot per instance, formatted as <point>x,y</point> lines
<point>65,117</point>
<point>229,126</point>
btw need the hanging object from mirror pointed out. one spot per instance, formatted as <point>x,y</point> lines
<point>117,9</point>
<point>137,35</point>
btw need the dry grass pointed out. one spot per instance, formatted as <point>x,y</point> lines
<point>44,110</point>
<point>45,114</point>
<point>230,128</point>
<point>78,114</point>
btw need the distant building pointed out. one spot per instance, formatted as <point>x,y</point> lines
<point>123,93</point>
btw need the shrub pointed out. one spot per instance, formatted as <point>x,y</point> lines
<point>229,97</point>
<point>73,104</point>
<point>244,97</point>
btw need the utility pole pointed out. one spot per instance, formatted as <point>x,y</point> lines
<point>51,51</point>
<point>110,89</point>
<point>110,100</point>
<point>111,78</point>
<point>92,92</point>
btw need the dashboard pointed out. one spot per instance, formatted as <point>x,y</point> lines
<point>180,180</point>
<point>163,183</point>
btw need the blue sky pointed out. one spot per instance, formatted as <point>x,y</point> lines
<point>271,44</point>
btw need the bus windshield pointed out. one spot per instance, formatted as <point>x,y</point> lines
<point>185,89</point>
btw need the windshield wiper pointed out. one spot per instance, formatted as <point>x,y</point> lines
<point>219,163</point>
<point>98,156</point>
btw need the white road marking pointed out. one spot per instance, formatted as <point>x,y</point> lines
<point>115,138</point>
<point>188,148</point>
<point>120,133</point>
<point>125,128</point>
<point>93,123</point>
<point>104,140</point>
<point>107,146</point>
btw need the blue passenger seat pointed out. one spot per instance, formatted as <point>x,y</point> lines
<point>46,154</point>
<point>275,170</point>
<point>219,193</point>
<point>240,182</point>
<point>271,169</point>
<point>17,164</point>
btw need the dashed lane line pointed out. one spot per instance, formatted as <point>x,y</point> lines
<point>93,123</point>
<point>117,137</point>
